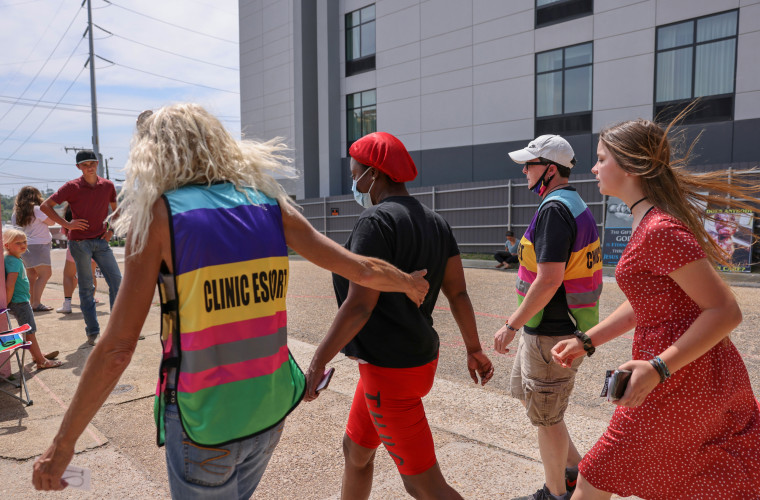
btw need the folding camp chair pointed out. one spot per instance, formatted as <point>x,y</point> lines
<point>11,342</point>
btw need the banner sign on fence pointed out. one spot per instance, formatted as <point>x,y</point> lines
<point>732,230</point>
<point>617,231</point>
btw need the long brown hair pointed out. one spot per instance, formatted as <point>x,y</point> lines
<point>643,148</point>
<point>26,199</point>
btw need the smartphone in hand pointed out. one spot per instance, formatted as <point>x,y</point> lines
<point>325,381</point>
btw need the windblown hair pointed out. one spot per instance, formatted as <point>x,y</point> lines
<point>11,234</point>
<point>184,144</point>
<point>26,199</point>
<point>643,148</point>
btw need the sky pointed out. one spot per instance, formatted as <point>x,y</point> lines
<point>148,54</point>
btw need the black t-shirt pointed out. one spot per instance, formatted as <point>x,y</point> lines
<point>402,231</point>
<point>553,240</point>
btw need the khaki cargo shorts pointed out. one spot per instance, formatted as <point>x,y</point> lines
<point>541,384</point>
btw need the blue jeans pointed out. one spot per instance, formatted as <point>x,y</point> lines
<point>225,472</point>
<point>83,252</point>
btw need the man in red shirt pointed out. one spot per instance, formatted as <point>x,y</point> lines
<point>89,197</point>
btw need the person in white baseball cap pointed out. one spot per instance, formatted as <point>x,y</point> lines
<point>558,288</point>
<point>545,150</point>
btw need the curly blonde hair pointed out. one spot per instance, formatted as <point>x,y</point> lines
<point>184,144</point>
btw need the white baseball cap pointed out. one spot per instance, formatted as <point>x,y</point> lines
<point>550,147</point>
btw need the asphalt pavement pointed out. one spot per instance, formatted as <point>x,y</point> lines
<point>484,442</point>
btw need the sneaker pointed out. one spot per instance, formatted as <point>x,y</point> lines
<point>544,494</point>
<point>571,479</point>
<point>65,308</point>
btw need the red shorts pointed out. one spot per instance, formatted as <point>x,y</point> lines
<point>387,408</point>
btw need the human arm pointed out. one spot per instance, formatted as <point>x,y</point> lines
<point>548,280</point>
<point>112,353</point>
<point>720,315</point>
<point>109,232</point>
<point>454,288</point>
<point>48,208</point>
<point>352,316</point>
<point>42,216</point>
<point>368,272</point>
<point>10,285</point>
<point>613,326</point>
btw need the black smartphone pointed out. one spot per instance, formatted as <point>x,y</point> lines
<point>325,381</point>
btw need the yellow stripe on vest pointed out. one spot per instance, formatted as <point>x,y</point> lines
<point>584,262</point>
<point>232,292</point>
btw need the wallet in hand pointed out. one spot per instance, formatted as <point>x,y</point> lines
<point>615,382</point>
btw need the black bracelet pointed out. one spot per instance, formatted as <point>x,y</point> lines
<point>510,327</point>
<point>587,345</point>
<point>661,367</point>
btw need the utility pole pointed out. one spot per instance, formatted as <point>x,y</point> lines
<point>93,97</point>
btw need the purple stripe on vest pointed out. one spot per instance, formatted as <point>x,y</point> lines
<point>587,232</point>
<point>229,243</point>
<point>225,374</point>
<point>233,332</point>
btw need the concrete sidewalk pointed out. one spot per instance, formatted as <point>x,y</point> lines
<point>484,444</point>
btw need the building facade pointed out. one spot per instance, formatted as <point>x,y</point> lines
<point>463,82</point>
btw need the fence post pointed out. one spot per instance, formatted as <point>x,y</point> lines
<point>509,204</point>
<point>433,199</point>
<point>324,215</point>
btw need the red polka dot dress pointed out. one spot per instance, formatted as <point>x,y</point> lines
<point>697,435</point>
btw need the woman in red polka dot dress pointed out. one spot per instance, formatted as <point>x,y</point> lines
<point>688,425</point>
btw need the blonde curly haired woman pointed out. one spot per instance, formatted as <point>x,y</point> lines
<point>205,217</point>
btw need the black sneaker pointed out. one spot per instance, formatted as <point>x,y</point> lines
<point>544,494</point>
<point>571,479</point>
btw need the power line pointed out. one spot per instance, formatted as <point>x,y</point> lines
<point>43,94</point>
<point>170,24</point>
<point>170,78</point>
<point>166,51</point>
<point>46,61</point>
<point>34,161</point>
<point>46,117</point>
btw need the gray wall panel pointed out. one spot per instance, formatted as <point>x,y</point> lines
<point>746,144</point>
<point>445,165</point>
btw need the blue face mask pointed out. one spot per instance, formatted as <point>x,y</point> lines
<point>540,186</point>
<point>362,199</point>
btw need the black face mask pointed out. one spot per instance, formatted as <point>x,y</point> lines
<point>540,186</point>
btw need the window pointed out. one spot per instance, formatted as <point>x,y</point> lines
<point>361,115</point>
<point>360,40</point>
<point>563,90</point>
<point>697,59</point>
<point>556,11</point>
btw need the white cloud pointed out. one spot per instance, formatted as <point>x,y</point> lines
<point>29,31</point>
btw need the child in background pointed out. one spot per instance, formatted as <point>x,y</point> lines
<point>17,292</point>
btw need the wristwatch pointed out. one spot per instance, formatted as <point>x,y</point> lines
<point>587,345</point>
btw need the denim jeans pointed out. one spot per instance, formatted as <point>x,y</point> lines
<point>83,251</point>
<point>225,472</point>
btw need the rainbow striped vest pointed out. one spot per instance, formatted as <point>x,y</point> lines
<point>226,362</point>
<point>583,272</point>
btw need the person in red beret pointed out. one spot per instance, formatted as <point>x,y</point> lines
<point>392,338</point>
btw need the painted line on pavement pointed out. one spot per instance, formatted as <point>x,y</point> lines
<point>65,408</point>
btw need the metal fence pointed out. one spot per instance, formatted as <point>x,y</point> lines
<point>480,212</point>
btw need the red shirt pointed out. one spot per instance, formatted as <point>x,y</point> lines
<point>87,202</point>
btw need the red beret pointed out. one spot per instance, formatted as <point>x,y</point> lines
<point>387,154</point>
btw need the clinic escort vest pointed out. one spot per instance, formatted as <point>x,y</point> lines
<point>226,362</point>
<point>583,272</point>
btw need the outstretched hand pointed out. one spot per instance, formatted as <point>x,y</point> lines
<point>420,287</point>
<point>566,351</point>
<point>49,468</point>
<point>479,364</point>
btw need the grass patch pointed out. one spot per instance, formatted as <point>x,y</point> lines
<point>477,256</point>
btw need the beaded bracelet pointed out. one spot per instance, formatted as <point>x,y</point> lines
<point>661,368</point>
<point>587,345</point>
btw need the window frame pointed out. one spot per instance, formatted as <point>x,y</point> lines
<point>349,142</point>
<point>563,123</point>
<point>708,110</point>
<point>360,64</point>
<point>541,11</point>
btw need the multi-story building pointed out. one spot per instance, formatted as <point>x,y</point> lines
<point>462,82</point>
